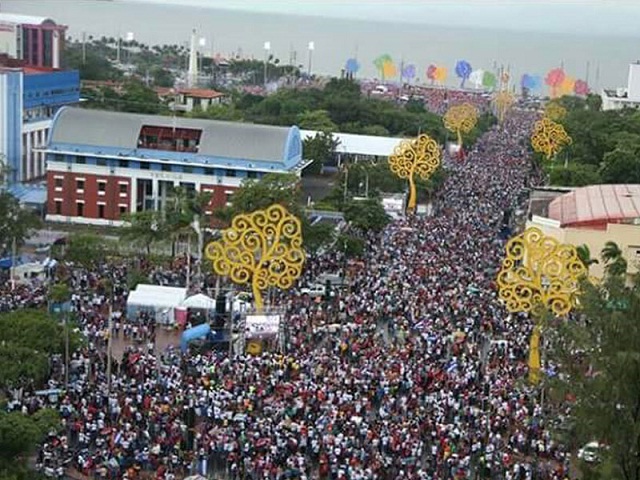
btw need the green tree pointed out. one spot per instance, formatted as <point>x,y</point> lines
<point>574,175</point>
<point>59,293</point>
<point>163,77</point>
<point>317,236</point>
<point>16,222</point>
<point>86,249</point>
<point>621,166</point>
<point>316,120</point>
<point>352,247</point>
<point>144,228</point>
<point>584,254</point>
<point>366,214</point>
<point>614,263</point>
<point>138,98</point>
<point>271,189</point>
<point>19,435</point>
<point>319,148</point>
<point>598,355</point>
<point>259,194</point>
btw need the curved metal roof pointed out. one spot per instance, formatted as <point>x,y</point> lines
<point>19,19</point>
<point>245,141</point>
<point>597,204</point>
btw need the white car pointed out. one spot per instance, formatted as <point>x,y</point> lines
<point>590,453</point>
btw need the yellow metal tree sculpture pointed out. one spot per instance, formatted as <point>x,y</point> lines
<point>549,137</point>
<point>503,101</point>
<point>555,111</point>
<point>539,274</point>
<point>263,248</point>
<point>419,157</point>
<point>461,119</point>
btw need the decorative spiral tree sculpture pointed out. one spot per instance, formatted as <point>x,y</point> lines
<point>549,138</point>
<point>461,119</point>
<point>538,274</point>
<point>263,248</point>
<point>418,157</point>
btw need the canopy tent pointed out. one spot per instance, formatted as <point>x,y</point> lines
<point>200,301</point>
<point>157,300</point>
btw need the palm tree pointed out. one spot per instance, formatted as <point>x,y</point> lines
<point>584,254</point>
<point>615,263</point>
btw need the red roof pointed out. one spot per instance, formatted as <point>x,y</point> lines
<point>200,93</point>
<point>597,205</point>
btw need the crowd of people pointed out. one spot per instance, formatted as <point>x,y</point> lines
<point>420,376</point>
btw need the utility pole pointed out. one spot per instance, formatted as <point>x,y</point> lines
<point>84,47</point>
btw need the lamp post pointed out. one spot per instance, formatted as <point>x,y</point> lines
<point>312,47</point>
<point>267,49</point>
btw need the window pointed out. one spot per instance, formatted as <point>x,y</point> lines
<point>187,169</point>
<point>81,160</point>
<point>123,188</point>
<point>80,186</point>
<point>252,174</point>
<point>228,197</point>
<point>80,209</point>
<point>166,168</point>
<point>58,207</point>
<point>59,182</point>
<point>102,187</point>
<point>123,209</point>
<point>101,162</point>
<point>144,165</point>
<point>170,139</point>
<point>123,163</point>
<point>230,173</point>
<point>100,211</point>
<point>58,157</point>
<point>209,171</point>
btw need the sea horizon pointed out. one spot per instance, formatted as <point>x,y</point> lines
<point>604,59</point>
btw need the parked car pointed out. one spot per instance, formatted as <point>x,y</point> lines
<point>590,453</point>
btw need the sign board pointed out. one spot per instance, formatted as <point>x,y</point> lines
<point>262,325</point>
<point>394,205</point>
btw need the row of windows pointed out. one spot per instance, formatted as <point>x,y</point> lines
<point>123,188</point>
<point>80,209</point>
<point>164,167</point>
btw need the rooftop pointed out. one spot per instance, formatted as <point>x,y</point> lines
<point>118,134</point>
<point>597,205</point>
<point>19,19</point>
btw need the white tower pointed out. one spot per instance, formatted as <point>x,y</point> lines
<point>192,75</point>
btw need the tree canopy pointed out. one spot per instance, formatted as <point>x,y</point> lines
<point>15,222</point>
<point>598,358</point>
<point>605,144</point>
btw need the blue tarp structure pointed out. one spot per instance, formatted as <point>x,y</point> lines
<point>29,194</point>
<point>201,331</point>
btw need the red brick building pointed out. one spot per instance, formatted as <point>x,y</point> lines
<point>101,164</point>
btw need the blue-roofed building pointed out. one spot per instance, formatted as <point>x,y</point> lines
<point>29,98</point>
<point>101,164</point>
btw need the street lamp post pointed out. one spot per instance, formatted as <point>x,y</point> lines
<point>312,47</point>
<point>267,49</point>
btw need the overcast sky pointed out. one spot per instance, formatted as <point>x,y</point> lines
<point>618,17</point>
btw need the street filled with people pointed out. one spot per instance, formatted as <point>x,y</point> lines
<point>414,371</point>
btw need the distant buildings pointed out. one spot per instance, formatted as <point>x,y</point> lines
<point>188,99</point>
<point>32,89</point>
<point>624,97</point>
<point>592,216</point>
<point>101,165</point>
<point>29,98</point>
<point>38,41</point>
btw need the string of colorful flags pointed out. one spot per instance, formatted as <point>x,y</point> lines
<point>557,80</point>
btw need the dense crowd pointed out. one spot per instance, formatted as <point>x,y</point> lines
<point>414,373</point>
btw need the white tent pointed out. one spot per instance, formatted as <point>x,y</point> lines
<point>201,301</point>
<point>161,301</point>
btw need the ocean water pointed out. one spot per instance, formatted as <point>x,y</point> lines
<point>601,59</point>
